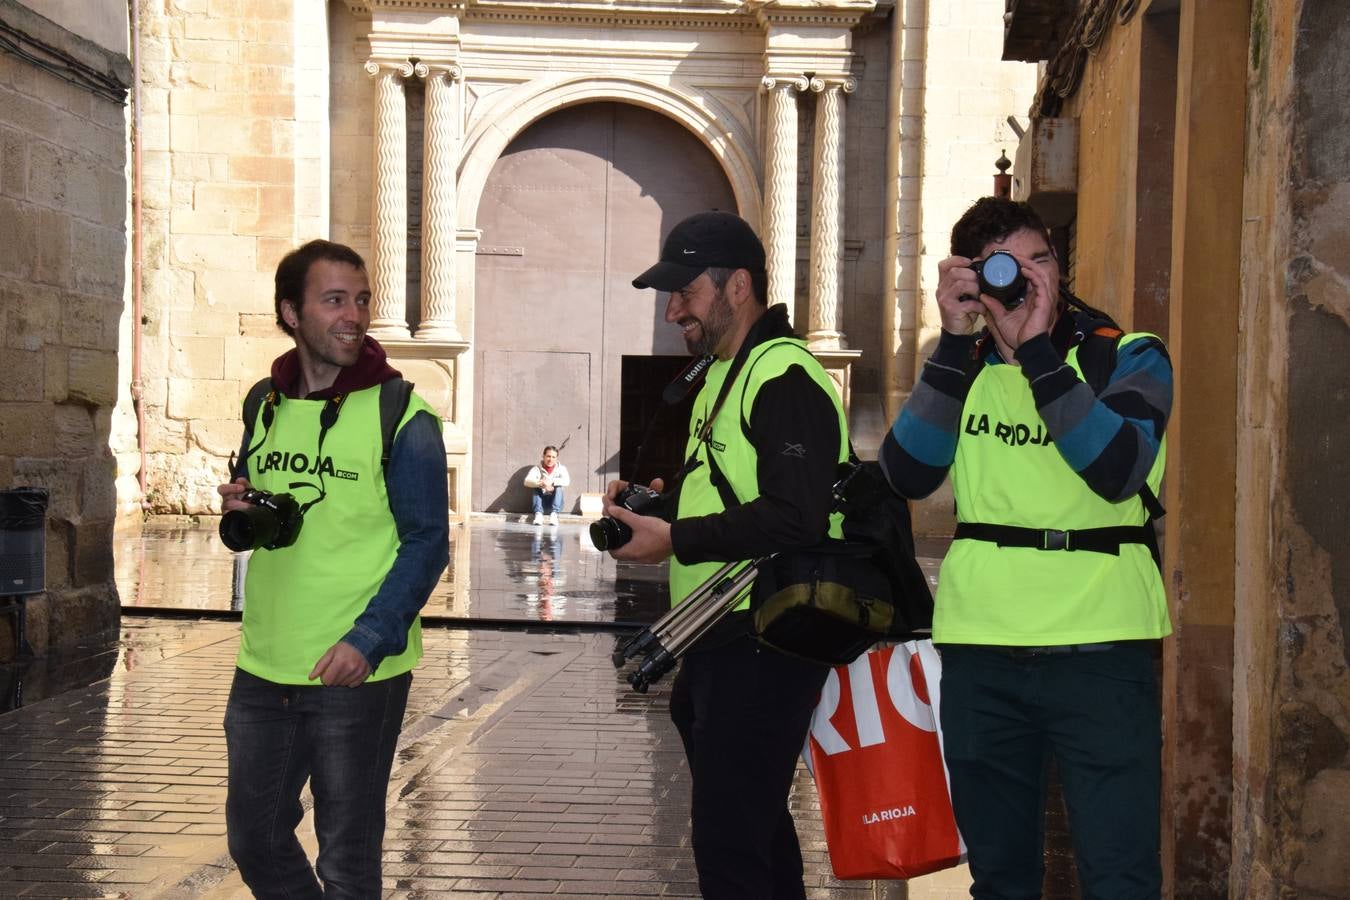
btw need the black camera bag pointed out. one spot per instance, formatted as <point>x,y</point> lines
<point>830,602</point>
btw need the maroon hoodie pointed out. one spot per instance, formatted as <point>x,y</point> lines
<point>371,368</point>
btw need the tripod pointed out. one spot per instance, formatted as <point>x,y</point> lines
<point>662,643</point>
<point>666,640</point>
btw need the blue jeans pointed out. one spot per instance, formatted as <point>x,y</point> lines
<point>546,503</point>
<point>1099,714</point>
<point>342,741</point>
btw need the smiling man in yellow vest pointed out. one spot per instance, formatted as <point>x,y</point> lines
<point>330,630</point>
<point>1050,603</point>
<point>758,482</point>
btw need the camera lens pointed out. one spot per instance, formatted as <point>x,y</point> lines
<point>1000,276</point>
<point>248,529</point>
<point>610,534</point>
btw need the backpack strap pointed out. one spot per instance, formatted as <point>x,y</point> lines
<point>1097,355</point>
<point>395,394</point>
<point>261,392</point>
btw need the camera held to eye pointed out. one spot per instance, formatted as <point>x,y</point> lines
<point>1000,276</point>
<point>271,521</point>
<point>611,534</point>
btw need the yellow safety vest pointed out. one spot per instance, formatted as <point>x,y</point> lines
<point>302,599</point>
<point>735,455</point>
<point>1007,471</point>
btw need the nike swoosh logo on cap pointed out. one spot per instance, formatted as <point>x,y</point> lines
<point>688,252</point>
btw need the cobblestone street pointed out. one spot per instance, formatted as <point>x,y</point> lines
<point>527,766</point>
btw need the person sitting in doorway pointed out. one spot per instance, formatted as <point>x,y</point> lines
<point>546,482</point>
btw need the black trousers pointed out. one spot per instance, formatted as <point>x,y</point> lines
<point>743,711</point>
<point>1098,714</point>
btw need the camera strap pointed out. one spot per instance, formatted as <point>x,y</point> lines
<point>719,481</point>
<point>327,419</point>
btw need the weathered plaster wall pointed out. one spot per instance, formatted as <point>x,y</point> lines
<point>1107,104</point>
<point>1292,716</point>
<point>63,204</point>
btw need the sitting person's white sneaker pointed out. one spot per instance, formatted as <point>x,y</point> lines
<point>553,518</point>
<point>538,519</point>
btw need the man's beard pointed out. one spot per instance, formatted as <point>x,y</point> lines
<point>714,328</point>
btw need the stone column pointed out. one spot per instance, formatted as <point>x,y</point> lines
<point>439,205</point>
<point>827,212</point>
<point>389,234</point>
<point>779,230</point>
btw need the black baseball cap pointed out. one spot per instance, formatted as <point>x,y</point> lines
<point>706,240</point>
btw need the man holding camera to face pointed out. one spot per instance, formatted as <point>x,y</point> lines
<point>350,535</point>
<point>1050,602</point>
<point>767,433</point>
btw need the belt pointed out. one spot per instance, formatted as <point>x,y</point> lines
<point>1052,650</point>
<point>1098,540</point>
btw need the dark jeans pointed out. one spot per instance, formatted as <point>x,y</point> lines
<point>342,740</point>
<point>1098,713</point>
<point>743,711</point>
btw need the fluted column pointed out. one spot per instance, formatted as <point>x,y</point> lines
<point>780,188</point>
<point>389,234</point>
<point>439,205</point>
<point>827,213</point>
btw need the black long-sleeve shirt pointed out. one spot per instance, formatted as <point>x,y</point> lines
<point>794,428</point>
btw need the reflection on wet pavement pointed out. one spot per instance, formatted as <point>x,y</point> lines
<point>499,570</point>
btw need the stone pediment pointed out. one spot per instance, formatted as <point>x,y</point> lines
<point>791,8</point>
<point>365,7</point>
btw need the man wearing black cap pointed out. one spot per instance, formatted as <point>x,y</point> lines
<point>766,435</point>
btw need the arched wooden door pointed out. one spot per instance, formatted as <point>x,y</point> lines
<point>574,208</point>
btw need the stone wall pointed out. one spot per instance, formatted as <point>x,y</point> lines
<point>63,202</point>
<point>955,95</point>
<point>234,126</point>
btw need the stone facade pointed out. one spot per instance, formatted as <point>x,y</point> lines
<point>63,202</point>
<point>1291,693</point>
<point>267,123</point>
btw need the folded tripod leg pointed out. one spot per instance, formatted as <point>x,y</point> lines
<point>672,635</point>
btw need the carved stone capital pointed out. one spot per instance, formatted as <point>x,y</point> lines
<point>448,71</point>
<point>773,82</point>
<point>844,83</point>
<point>404,68</point>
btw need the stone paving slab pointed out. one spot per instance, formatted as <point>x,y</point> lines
<point>527,768</point>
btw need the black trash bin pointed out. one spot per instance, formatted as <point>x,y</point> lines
<point>23,518</point>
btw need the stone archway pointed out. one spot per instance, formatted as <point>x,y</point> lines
<point>574,207</point>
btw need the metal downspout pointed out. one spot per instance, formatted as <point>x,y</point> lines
<point>136,253</point>
<point>891,242</point>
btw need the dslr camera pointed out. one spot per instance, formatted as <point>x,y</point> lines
<point>611,534</point>
<point>271,521</point>
<point>1000,276</point>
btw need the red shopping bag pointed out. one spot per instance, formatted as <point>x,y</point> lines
<point>875,751</point>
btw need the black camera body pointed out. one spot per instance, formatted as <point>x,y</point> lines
<point>1000,276</point>
<point>611,534</point>
<point>271,521</point>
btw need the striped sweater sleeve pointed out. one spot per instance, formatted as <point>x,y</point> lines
<point>1111,440</point>
<point>921,445</point>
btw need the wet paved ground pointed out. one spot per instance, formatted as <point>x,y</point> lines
<point>527,766</point>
